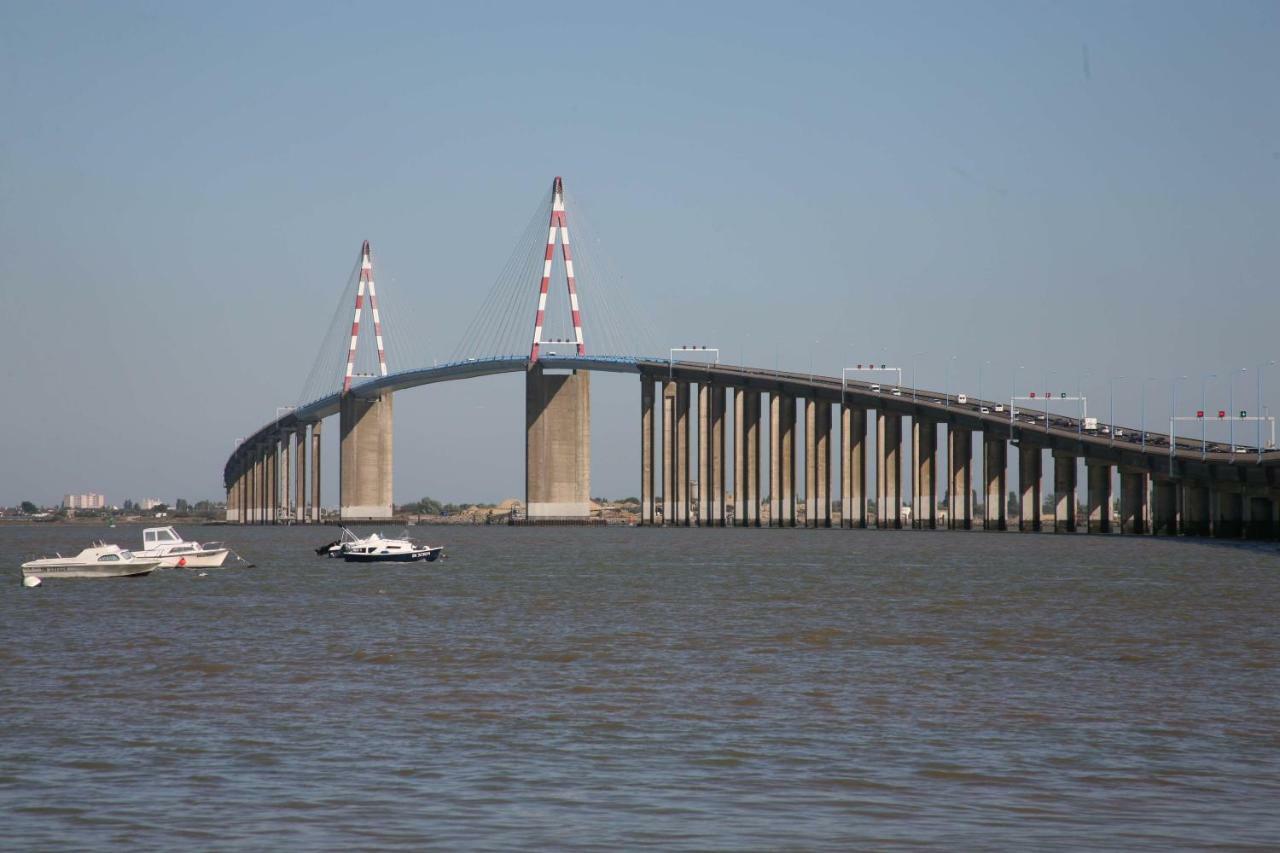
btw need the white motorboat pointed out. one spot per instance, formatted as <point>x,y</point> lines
<point>173,552</point>
<point>100,561</point>
<point>375,549</point>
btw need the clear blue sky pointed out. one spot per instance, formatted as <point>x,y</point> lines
<point>1073,187</point>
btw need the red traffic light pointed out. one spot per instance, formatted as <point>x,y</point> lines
<point>1199,413</point>
<point>1033,395</point>
<point>1221,414</point>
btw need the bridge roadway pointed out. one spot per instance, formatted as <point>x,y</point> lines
<point>1208,474</point>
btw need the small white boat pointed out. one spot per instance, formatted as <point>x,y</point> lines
<point>173,552</point>
<point>375,549</point>
<point>100,561</point>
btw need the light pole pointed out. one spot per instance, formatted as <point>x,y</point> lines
<point>1231,411</point>
<point>951,361</point>
<point>915,358</point>
<point>1012,396</point>
<point>1047,395</point>
<point>1258,410</point>
<point>1080,393</point>
<point>1203,412</point>
<point>1173,423</point>
<point>980,364</point>
<point>1143,425</point>
<point>1111,429</point>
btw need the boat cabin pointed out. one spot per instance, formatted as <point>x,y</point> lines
<point>154,537</point>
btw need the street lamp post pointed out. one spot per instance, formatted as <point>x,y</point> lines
<point>980,364</point>
<point>950,362</point>
<point>1012,395</point>
<point>1203,410</point>
<point>1231,412</point>
<point>1112,417</point>
<point>1258,409</point>
<point>1143,425</point>
<point>1173,423</point>
<point>914,358</point>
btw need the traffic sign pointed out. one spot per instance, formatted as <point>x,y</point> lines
<point>1199,413</point>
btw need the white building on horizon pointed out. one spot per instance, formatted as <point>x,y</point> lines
<point>91,500</point>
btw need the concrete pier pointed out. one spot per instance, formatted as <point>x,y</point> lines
<point>960,481</point>
<point>1064,492</point>
<point>316,515</point>
<point>1133,501</point>
<point>286,477</point>
<point>557,468</point>
<point>1164,507</point>
<point>300,474</point>
<point>364,473</point>
<point>924,484</point>
<point>746,458</point>
<point>853,466</point>
<point>995,471</point>
<point>273,481</point>
<point>675,454</point>
<point>1229,515</point>
<point>711,509</point>
<point>1099,475</point>
<point>782,460</point>
<point>817,456</point>
<point>889,471</point>
<point>1196,518</point>
<point>1030,472</point>
<point>648,447</point>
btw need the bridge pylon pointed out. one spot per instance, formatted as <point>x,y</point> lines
<point>365,421</point>
<point>557,403</point>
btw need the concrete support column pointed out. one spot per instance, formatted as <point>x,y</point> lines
<point>557,459</point>
<point>250,487</point>
<point>1228,520</point>
<point>1259,515</point>
<point>817,454</point>
<point>273,481</point>
<point>286,477</point>
<point>995,471</point>
<point>782,460</point>
<point>668,453</point>
<point>960,482</point>
<point>1099,496</point>
<point>675,454</point>
<point>1064,492</point>
<point>924,486</point>
<point>1196,518</point>
<point>710,455</point>
<point>316,515</point>
<point>300,511</point>
<point>647,446</point>
<point>753,458</point>
<point>703,515</point>
<point>853,466</point>
<point>1133,502</point>
<point>245,478</point>
<point>1164,508</point>
<point>364,473</point>
<point>739,457</point>
<point>889,471</point>
<point>1030,470</point>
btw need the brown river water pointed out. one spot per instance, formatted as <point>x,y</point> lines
<point>571,688</point>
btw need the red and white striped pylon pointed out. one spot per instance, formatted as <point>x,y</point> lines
<point>366,279</point>
<point>558,221</point>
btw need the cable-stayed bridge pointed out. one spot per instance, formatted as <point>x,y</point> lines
<point>557,314</point>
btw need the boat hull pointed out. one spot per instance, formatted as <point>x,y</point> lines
<point>198,560</point>
<point>66,570</point>
<point>424,554</point>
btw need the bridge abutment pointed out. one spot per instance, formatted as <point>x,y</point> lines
<point>557,468</point>
<point>364,474</point>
